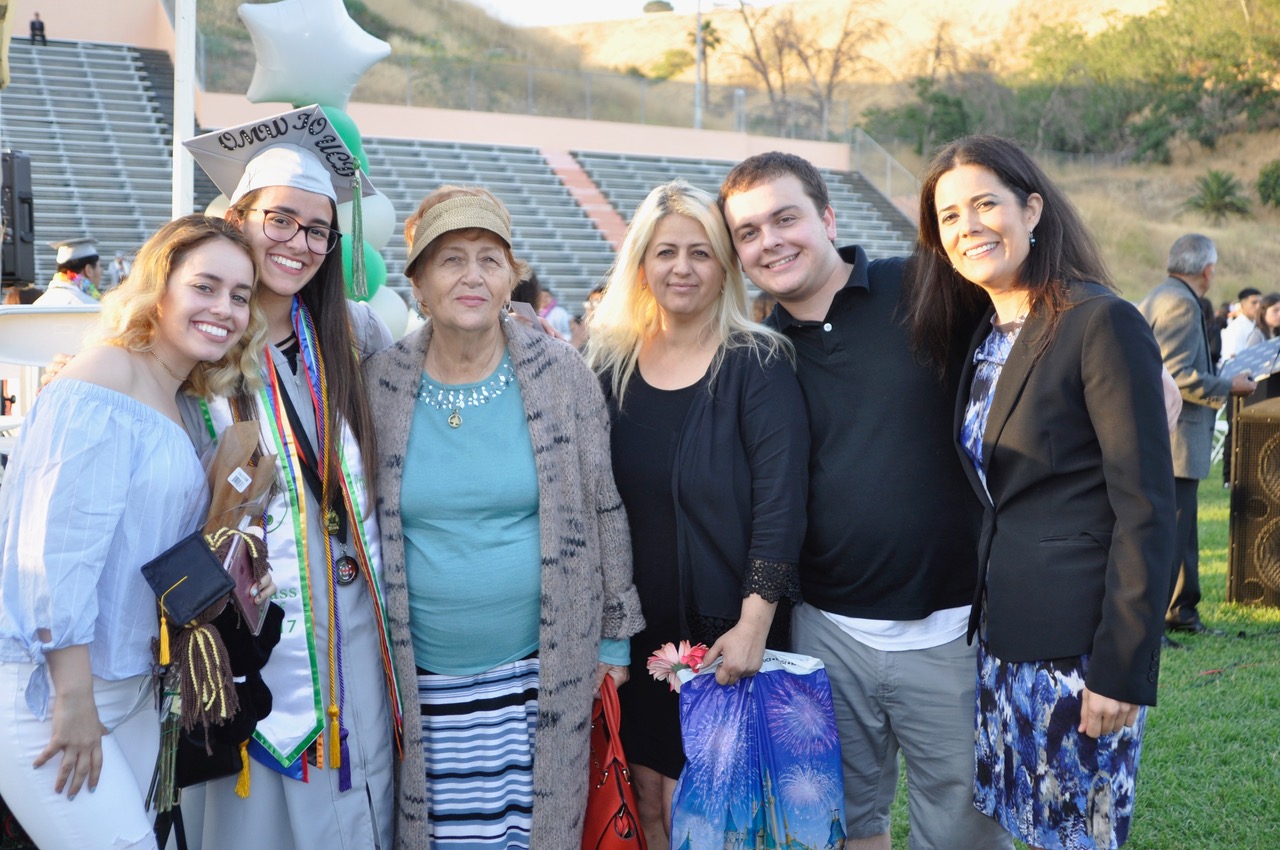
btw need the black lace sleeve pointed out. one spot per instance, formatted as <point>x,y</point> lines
<point>773,580</point>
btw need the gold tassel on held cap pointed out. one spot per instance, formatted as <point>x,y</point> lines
<point>164,625</point>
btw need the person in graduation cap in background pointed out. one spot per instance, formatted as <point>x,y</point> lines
<point>78,275</point>
<point>321,763</point>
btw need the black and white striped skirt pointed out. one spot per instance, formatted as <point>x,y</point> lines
<point>477,734</point>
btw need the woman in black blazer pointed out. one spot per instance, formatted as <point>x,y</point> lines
<point>1061,423</point>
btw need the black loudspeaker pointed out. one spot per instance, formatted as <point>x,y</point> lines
<point>1253,565</point>
<point>18,257</point>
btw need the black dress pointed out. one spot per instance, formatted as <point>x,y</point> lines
<point>645,438</point>
<point>714,478</point>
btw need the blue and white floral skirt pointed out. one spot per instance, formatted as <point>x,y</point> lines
<point>1048,784</point>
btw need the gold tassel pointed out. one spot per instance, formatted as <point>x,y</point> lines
<point>164,625</point>
<point>335,743</point>
<point>242,782</point>
<point>164,638</point>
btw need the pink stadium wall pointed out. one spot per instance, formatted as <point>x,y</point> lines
<point>143,23</point>
<point>375,119</point>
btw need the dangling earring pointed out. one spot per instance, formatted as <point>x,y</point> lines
<point>1032,233</point>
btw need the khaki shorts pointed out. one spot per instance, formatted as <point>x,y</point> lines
<point>919,702</point>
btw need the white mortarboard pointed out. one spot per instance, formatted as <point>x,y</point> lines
<point>74,249</point>
<point>300,149</point>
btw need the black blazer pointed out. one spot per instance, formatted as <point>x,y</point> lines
<point>1077,537</point>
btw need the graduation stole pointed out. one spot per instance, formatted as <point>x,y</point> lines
<point>300,712</point>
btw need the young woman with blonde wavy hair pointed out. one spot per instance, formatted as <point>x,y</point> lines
<point>103,479</point>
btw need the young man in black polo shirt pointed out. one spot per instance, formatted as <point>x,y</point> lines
<point>888,567</point>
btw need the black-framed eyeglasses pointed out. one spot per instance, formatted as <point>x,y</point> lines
<point>281,227</point>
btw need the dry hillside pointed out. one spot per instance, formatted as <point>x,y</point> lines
<point>1135,211</point>
<point>997,28</point>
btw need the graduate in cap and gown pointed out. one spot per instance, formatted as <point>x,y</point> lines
<point>78,275</point>
<point>320,766</point>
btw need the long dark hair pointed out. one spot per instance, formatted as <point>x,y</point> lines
<point>941,301</point>
<point>325,297</point>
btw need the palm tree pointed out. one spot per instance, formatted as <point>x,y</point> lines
<point>710,41</point>
<point>1218,195</point>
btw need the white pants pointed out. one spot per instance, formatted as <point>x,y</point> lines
<point>113,817</point>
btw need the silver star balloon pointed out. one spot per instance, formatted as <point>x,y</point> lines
<point>308,51</point>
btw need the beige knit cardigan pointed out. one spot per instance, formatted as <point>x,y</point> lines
<point>587,593</point>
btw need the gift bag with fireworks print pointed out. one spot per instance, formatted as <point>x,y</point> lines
<point>763,760</point>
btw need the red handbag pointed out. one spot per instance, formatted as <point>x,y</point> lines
<point>611,821</point>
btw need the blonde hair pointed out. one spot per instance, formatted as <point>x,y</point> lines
<point>129,312</point>
<point>519,268</point>
<point>628,314</point>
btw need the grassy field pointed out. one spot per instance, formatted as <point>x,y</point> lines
<point>1210,771</point>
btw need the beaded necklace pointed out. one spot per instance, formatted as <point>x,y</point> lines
<point>455,398</point>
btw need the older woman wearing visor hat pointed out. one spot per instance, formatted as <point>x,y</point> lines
<point>505,543</point>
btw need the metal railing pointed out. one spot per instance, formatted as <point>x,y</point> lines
<point>894,180</point>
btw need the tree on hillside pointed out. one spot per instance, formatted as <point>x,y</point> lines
<point>1218,195</point>
<point>956,93</point>
<point>1268,184</point>
<point>827,63</point>
<point>788,52</point>
<point>710,42</point>
<point>1193,70</point>
<point>672,63</point>
<point>1188,72</point>
<point>766,56</point>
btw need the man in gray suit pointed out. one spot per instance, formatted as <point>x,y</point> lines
<point>1173,311</point>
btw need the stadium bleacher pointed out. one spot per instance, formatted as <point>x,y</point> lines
<point>626,179</point>
<point>551,232</point>
<point>100,160</point>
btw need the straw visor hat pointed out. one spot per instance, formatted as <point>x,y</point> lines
<point>461,213</point>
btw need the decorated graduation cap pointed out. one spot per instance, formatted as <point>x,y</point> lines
<point>70,250</point>
<point>300,149</point>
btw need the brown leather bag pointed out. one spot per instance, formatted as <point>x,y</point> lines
<point>612,821</point>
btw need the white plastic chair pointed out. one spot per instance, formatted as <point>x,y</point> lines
<point>30,337</point>
<point>1219,436</point>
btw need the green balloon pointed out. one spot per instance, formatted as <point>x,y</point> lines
<point>375,269</point>
<point>348,132</point>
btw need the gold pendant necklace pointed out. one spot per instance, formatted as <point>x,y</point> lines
<point>455,418</point>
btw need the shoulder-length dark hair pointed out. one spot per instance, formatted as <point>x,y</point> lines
<point>941,302</point>
<point>325,297</point>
